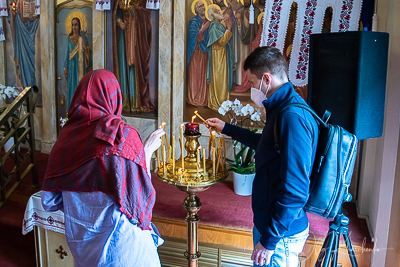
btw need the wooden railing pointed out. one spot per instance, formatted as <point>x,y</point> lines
<point>17,167</point>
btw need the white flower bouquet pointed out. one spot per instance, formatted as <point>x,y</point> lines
<point>244,116</point>
<point>10,92</point>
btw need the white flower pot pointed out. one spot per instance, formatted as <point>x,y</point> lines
<point>9,144</point>
<point>243,183</point>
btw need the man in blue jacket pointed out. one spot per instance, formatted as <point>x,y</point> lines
<point>281,184</point>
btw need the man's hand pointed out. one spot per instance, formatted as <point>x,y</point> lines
<point>238,18</point>
<point>216,124</point>
<point>205,26</point>
<point>121,24</point>
<point>261,256</point>
<point>229,23</point>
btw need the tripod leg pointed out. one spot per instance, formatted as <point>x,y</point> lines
<point>335,250</point>
<point>329,249</point>
<point>323,250</point>
<point>350,250</point>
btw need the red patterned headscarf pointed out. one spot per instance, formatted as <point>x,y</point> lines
<point>94,130</point>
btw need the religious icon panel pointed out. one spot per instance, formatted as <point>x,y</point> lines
<point>22,34</point>
<point>132,55</point>
<point>220,35</point>
<point>74,50</point>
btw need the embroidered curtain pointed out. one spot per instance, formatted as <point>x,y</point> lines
<point>153,4</point>
<point>3,12</point>
<point>310,15</point>
<point>103,5</point>
<point>37,7</point>
<point>3,8</point>
<point>2,37</point>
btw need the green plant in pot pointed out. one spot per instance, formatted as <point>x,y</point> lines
<point>243,164</point>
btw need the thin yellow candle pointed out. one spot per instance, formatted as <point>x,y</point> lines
<point>163,157</point>
<point>209,145</point>
<point>213,161</point>
<point>218,157</point>
<point>165,136</point>
<point>162,137</point>
<point>193,118</point>
<point>200,116</point>
<point>173,154</point>
<point>213,143</point>
<point>204,163</point>
<point>158,158</point>
<point>183,148</point>
<point>198,159</point>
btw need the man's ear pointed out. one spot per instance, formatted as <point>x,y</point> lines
<point>267,77</point>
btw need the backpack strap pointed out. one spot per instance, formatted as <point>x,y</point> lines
<point>322,121</point>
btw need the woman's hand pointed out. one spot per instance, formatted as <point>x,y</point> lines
<point>151,144</point>
<point>153,141</point>
<point>216,124</point>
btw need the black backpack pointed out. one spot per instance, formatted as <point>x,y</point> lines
<point>333,165</point>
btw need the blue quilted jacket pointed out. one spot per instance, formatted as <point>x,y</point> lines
<point>281,184</point>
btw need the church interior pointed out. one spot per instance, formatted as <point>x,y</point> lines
<point>166,75</point>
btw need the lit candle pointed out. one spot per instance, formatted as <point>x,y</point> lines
<point>163,157</point>
<point>193,118</point>
<point>198,160</point>
<point>183,148</point>
<point>165,136</point>
<point>173,154</point>
<point>204,163</point>
<point>199,116</point>
<point>213,143</point>
<point>213,161</point>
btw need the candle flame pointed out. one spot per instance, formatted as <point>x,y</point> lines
<point>213,133</point>
<point>199,148</point>
<point>182,125</point>
<point>193,118</point>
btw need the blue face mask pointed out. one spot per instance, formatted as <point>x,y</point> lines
<point>257,96</point>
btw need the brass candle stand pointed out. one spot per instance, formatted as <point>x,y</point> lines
<point>196,175</point>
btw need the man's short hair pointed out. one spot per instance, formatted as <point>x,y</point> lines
<point>266,59</point>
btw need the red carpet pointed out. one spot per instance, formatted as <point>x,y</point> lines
<point>16,250</point>
<point>221,207</point>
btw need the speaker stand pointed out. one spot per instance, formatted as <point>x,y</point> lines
<point>330,247</point>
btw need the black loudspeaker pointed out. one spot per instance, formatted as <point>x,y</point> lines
<point>348,77</point>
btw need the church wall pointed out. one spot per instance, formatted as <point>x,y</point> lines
<point>388,12</point>
<point>378,174</point>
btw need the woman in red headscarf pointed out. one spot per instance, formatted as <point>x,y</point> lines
<point>98,176</point>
